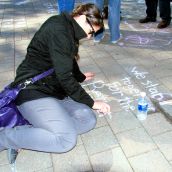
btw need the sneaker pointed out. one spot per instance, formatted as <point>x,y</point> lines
<point>147,19</point>
<point>12,155</point>
<point>163,24</point>
<point>98,40</point>
<point>116,41</point>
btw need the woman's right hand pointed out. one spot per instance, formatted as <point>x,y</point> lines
<point>101,107</point>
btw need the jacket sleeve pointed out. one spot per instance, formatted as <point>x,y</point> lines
<point>60,49</point>
<point>80,77</point>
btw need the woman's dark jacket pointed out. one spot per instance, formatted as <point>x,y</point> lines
<point>54,45</point>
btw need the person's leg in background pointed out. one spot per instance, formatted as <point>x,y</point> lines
<point>151,11</point>
<point>165,13</point>
<point>114,20</point>
<point>65,6</point>
<point>100,5</point>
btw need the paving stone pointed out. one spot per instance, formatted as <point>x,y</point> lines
<point>6,24</point>
<point>162,69</point>
<point>150,162</point>
<point>85,61</point>
<point>83,53</point>
<point>5,59</point>
<point>10,39</point>
<point>7,50</point>
<point>141,75</point>
<point>117,52</point>
<point>164,142</point>
<point>162,55</point>
<point>149,62</point>
<point>100,91</point>
<point>22,45</point>
<point>6,168</point>
<point>93,68</point>
<point>156,124</point>
<point>20,35</point>
<point>111,70</point>
<point>125,63</point>
<point>3,158</point>
<point>135,142</point>
<point>166,108</point>
<point>109,61</point>
<point>167,81</point>
<point>171,163</point>
<point>6,76</point>
<point>161,90</point>
<point>75,160</point>
<point>30,161</point>
<point>79,141</point>
<point>113,78</point>
<point>133,53</point>
<point>99,140</point>
<point>33,23</point>
<point>118,55</point>
<point>100,55</point>
<point>110,161</point>
<point>122,121</point>
<point>2,40</point>
<point>18,62</point>
<point>115,107</point>
<point>101,121</point>
<point>5,67</point>
<point>20,24</point>
<point>4,84</point>
<point>46,170</point>
<point>20,55</point>
<point>100,76</point>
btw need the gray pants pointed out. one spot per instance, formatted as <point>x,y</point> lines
<point>55,125</point>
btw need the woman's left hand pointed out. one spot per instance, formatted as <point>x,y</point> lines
<point>89,76</point>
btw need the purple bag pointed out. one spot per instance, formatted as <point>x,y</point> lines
<point>9,114</point>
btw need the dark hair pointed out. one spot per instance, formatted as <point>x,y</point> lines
<point>91,12</point>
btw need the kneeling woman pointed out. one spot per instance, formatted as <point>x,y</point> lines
<point>57,107</point>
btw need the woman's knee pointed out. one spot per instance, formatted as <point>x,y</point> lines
<point>87,117</point>
<point>65,142</point>
<point>93,122</point>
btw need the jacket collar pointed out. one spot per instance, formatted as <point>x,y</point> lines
<point>78,31</point>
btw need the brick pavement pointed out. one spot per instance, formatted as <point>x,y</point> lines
<point>141,61</point>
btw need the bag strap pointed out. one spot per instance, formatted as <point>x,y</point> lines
<point>42,75</point>
<point>36,78</point>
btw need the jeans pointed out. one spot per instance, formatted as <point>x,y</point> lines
<point>55,125</point>
<point>113,18</point>
<point>65,5</point>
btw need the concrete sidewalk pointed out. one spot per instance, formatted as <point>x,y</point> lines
<point>140,61</point>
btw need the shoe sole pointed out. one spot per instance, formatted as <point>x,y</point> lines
<point>12,155</point>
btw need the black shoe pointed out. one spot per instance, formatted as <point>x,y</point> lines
<point>147,19</point>
<point>12,155</point>
<point>163,24</point>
